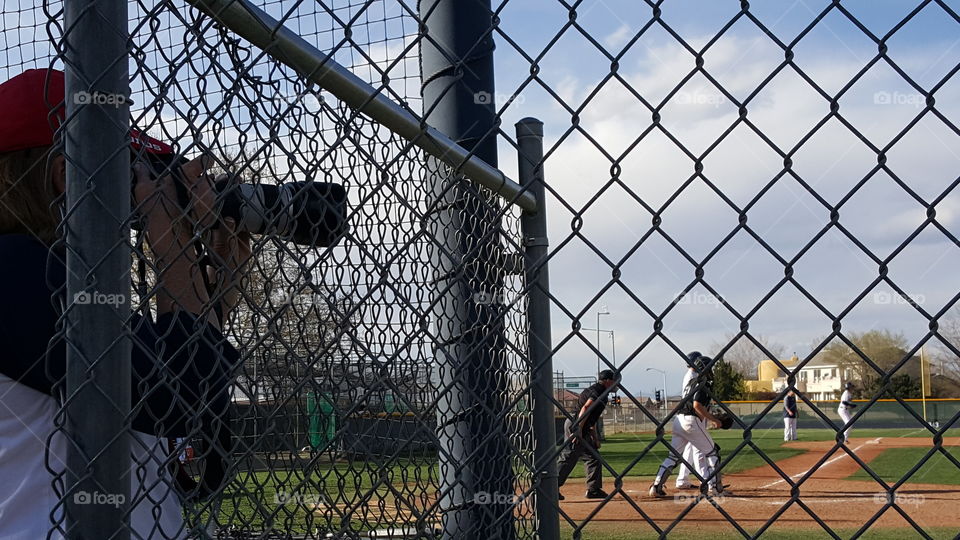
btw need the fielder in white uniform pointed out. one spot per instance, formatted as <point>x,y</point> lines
<point>845,410</point>
<point>690,427</point>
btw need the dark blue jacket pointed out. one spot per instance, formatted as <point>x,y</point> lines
<point>790,405</point>
<point>181,367</point>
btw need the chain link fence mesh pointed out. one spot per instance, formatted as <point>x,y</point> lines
<point>341,414</point>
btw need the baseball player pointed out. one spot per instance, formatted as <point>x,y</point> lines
<point>845,410</point>
<point>690,453</point>
<point>690,427</point>
<point>790,417</point>
<point>583,439</point>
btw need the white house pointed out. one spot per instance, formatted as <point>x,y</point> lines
<point>818,379</point>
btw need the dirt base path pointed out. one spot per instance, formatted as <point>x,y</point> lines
<point>761,493</point>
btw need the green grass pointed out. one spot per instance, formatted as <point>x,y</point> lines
<point>894,463</point>
<point>252,498</point>
<point>280,499</point>
<point>620,450</point>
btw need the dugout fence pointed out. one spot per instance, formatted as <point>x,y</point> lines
<point>396,379</point>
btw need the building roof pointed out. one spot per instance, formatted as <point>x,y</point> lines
<point>818,362</point>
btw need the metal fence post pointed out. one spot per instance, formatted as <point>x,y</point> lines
<point>97,243</point>
<point>476,478</point>
<point>539,339</point>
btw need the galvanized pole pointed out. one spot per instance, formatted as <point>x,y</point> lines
<point>97,239</point>
<point>540,344</point>
<point>476,478</point>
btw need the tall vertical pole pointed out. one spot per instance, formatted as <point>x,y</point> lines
<point>96,143</point>
<point>923,386</point>
<point>476,478</point>
<point>598,344</point>
<point>666,404</point>
<point>540,344</point>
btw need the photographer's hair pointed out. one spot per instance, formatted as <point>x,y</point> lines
<point>28,198</point>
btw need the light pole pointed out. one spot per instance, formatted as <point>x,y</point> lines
<point>613,348</point>
<point>664,375</point>
<point>599,313</point>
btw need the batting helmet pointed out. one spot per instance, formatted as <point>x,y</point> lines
<point>702,364</point>
<point>848,386</point>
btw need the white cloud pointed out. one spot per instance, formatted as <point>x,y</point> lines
<point>785,111</point>
<point>619,37</point>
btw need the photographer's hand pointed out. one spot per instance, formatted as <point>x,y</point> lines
<point>230,253</point>
<point>170,232</point>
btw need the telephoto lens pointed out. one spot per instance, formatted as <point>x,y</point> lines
<point>304,212</point>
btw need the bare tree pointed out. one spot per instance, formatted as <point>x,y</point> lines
<point>946,360</point>
<point>286,322</point>
<point>744,355</point>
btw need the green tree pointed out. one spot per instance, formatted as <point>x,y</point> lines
<point>728,383</point>
<point>901,386</point>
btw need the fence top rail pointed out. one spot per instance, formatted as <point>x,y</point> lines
<point>288,48</point>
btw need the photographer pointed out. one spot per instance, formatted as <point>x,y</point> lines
<point>181,364</point>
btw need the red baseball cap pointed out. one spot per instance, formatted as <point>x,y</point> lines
<point>32,110</point>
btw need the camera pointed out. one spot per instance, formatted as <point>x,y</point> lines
<point>306,213</point>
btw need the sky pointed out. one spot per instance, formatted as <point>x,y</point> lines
<point>834,270</point>
<point>598,223</point>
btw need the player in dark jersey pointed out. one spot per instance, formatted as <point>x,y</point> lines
<point>583,441</point>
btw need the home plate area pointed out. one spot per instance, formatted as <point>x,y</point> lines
<point>761,495</point>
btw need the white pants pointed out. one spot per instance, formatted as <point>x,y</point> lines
<point>845,415</point>
<point>789,428</point>
<point>690,455</point>
<point>691,430</point>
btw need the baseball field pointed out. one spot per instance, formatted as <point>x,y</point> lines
<point>833,490</point>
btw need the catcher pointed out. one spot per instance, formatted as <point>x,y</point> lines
<point>690,427</point>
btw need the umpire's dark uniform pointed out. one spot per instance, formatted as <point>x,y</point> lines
<point>572,452</point>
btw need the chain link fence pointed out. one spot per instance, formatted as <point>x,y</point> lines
<point>336,320</point>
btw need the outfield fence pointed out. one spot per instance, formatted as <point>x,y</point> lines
<point>381,363</point>
<point>884,414</point>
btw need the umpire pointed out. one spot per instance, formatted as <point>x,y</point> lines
<point>582,437</point>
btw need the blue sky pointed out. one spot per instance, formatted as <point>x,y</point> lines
<point>881,215</point>
<point>834,270</point>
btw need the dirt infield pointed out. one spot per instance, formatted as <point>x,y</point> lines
<point>761,493</point>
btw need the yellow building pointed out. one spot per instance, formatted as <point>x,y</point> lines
<point>770,378</point>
